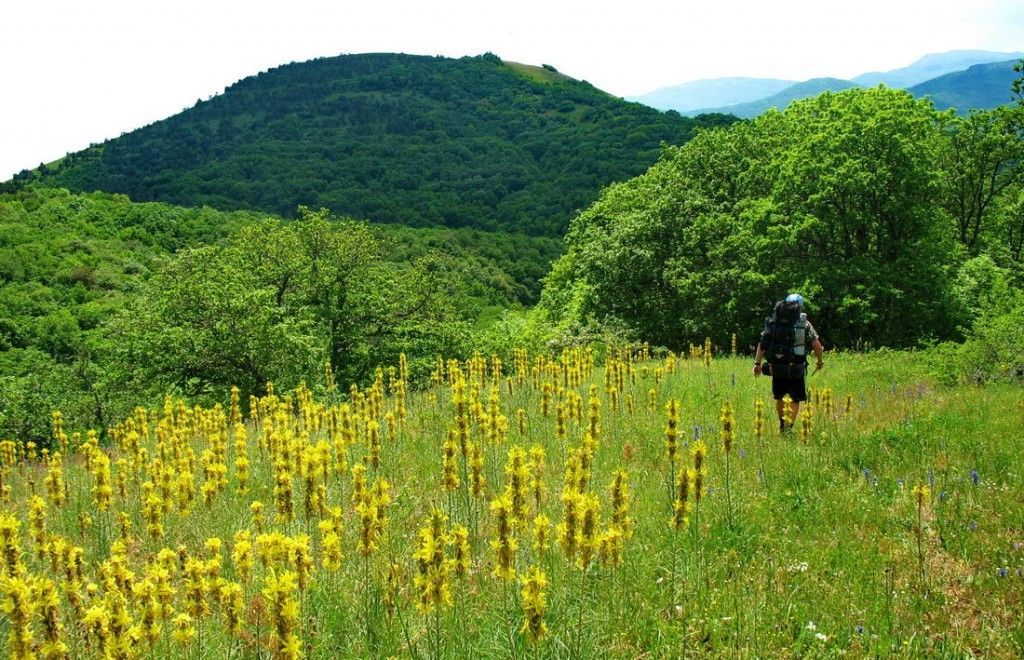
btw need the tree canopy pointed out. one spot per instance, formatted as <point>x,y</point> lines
<point>865,201</point>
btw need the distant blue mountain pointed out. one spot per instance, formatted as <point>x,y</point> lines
<point>782,99</point>
<point>981,86</point>
<point>932,66</point>
<point>748,97</point>
<point>709,93</point>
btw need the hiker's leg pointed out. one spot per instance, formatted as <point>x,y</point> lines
<point>795,408</point>
<point>780,408</point>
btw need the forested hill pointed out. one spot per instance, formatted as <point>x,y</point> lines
<point>472,142</point>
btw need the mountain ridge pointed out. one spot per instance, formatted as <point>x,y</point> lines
<point>932,66</point>
<point>712,92</point>
<point>416,140</point>
<point>800,90</point>
<point>922,70</point>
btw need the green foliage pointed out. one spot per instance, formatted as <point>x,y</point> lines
<point>844,197</point>
<point>499,269</point>
<point>981,288</point>
<point>71,262</point>
<point>204,322</point>
<point>992,351</point>
<point>279,301</point>
<point>402,139</point>
<point>984,158</point>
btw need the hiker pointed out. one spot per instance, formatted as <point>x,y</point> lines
<point>787,334</point>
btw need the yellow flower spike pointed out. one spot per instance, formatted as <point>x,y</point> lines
<point>433,579</point>
<point>518,477</point>
<point>671,429</point>
<point>699,452</point>
<point>620,501</point>
<point>728,427</point>
<point>184,632</point>
<point>449,461</point>
<point>806,424</point>
<point>588,542</point>
<point>19,605</point>
<point>541,535</point>
<point>279,590</point>
<point>568,529</point>
<point>504,544</point>
<point>534,598</point>
<point>301,559</point>
<point>196,588</point>
<point>681,502</point>
<point>459,540</point>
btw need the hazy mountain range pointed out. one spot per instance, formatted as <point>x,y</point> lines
<point>963,79</point>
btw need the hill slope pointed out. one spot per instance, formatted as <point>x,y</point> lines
<point>715,92</point>
<point>420,141</point>
<point>980,86</point>
<point>782,99</point>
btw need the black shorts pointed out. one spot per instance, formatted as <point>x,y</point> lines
<point>791,380</point>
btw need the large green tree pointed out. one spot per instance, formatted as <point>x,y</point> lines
<point>280,300</point>
<point>837,197</point>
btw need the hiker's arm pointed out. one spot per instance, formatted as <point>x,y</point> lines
<point>758,356</point>
<point>819,352</point>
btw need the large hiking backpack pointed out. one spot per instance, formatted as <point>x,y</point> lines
<point>785,334</point>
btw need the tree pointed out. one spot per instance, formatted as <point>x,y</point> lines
<point>984,158</point>
<point>1018,85</point>
<point>835,197</point>
<point>204,324</point>
<point>279,301</point>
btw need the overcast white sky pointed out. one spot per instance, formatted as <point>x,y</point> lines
<point>81,71</point>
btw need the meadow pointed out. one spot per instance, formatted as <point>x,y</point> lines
<point>545,507</point>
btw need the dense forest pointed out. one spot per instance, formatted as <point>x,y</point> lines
<point>899,223</point>
<point>101,297</point>
<point>418,141</point>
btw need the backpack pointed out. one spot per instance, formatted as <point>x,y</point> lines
<point>785,334</point>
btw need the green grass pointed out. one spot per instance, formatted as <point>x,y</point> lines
<point>537,73</point>
<point>821,557</point>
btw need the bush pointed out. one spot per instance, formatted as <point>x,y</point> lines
<point>992,351</point>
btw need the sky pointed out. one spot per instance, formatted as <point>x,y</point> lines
<point>82,71</point>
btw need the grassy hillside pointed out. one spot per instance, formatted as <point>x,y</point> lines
<point>419,141</point>
<point>889,524</point>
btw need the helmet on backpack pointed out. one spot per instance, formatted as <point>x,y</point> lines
<point>795,298</point>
